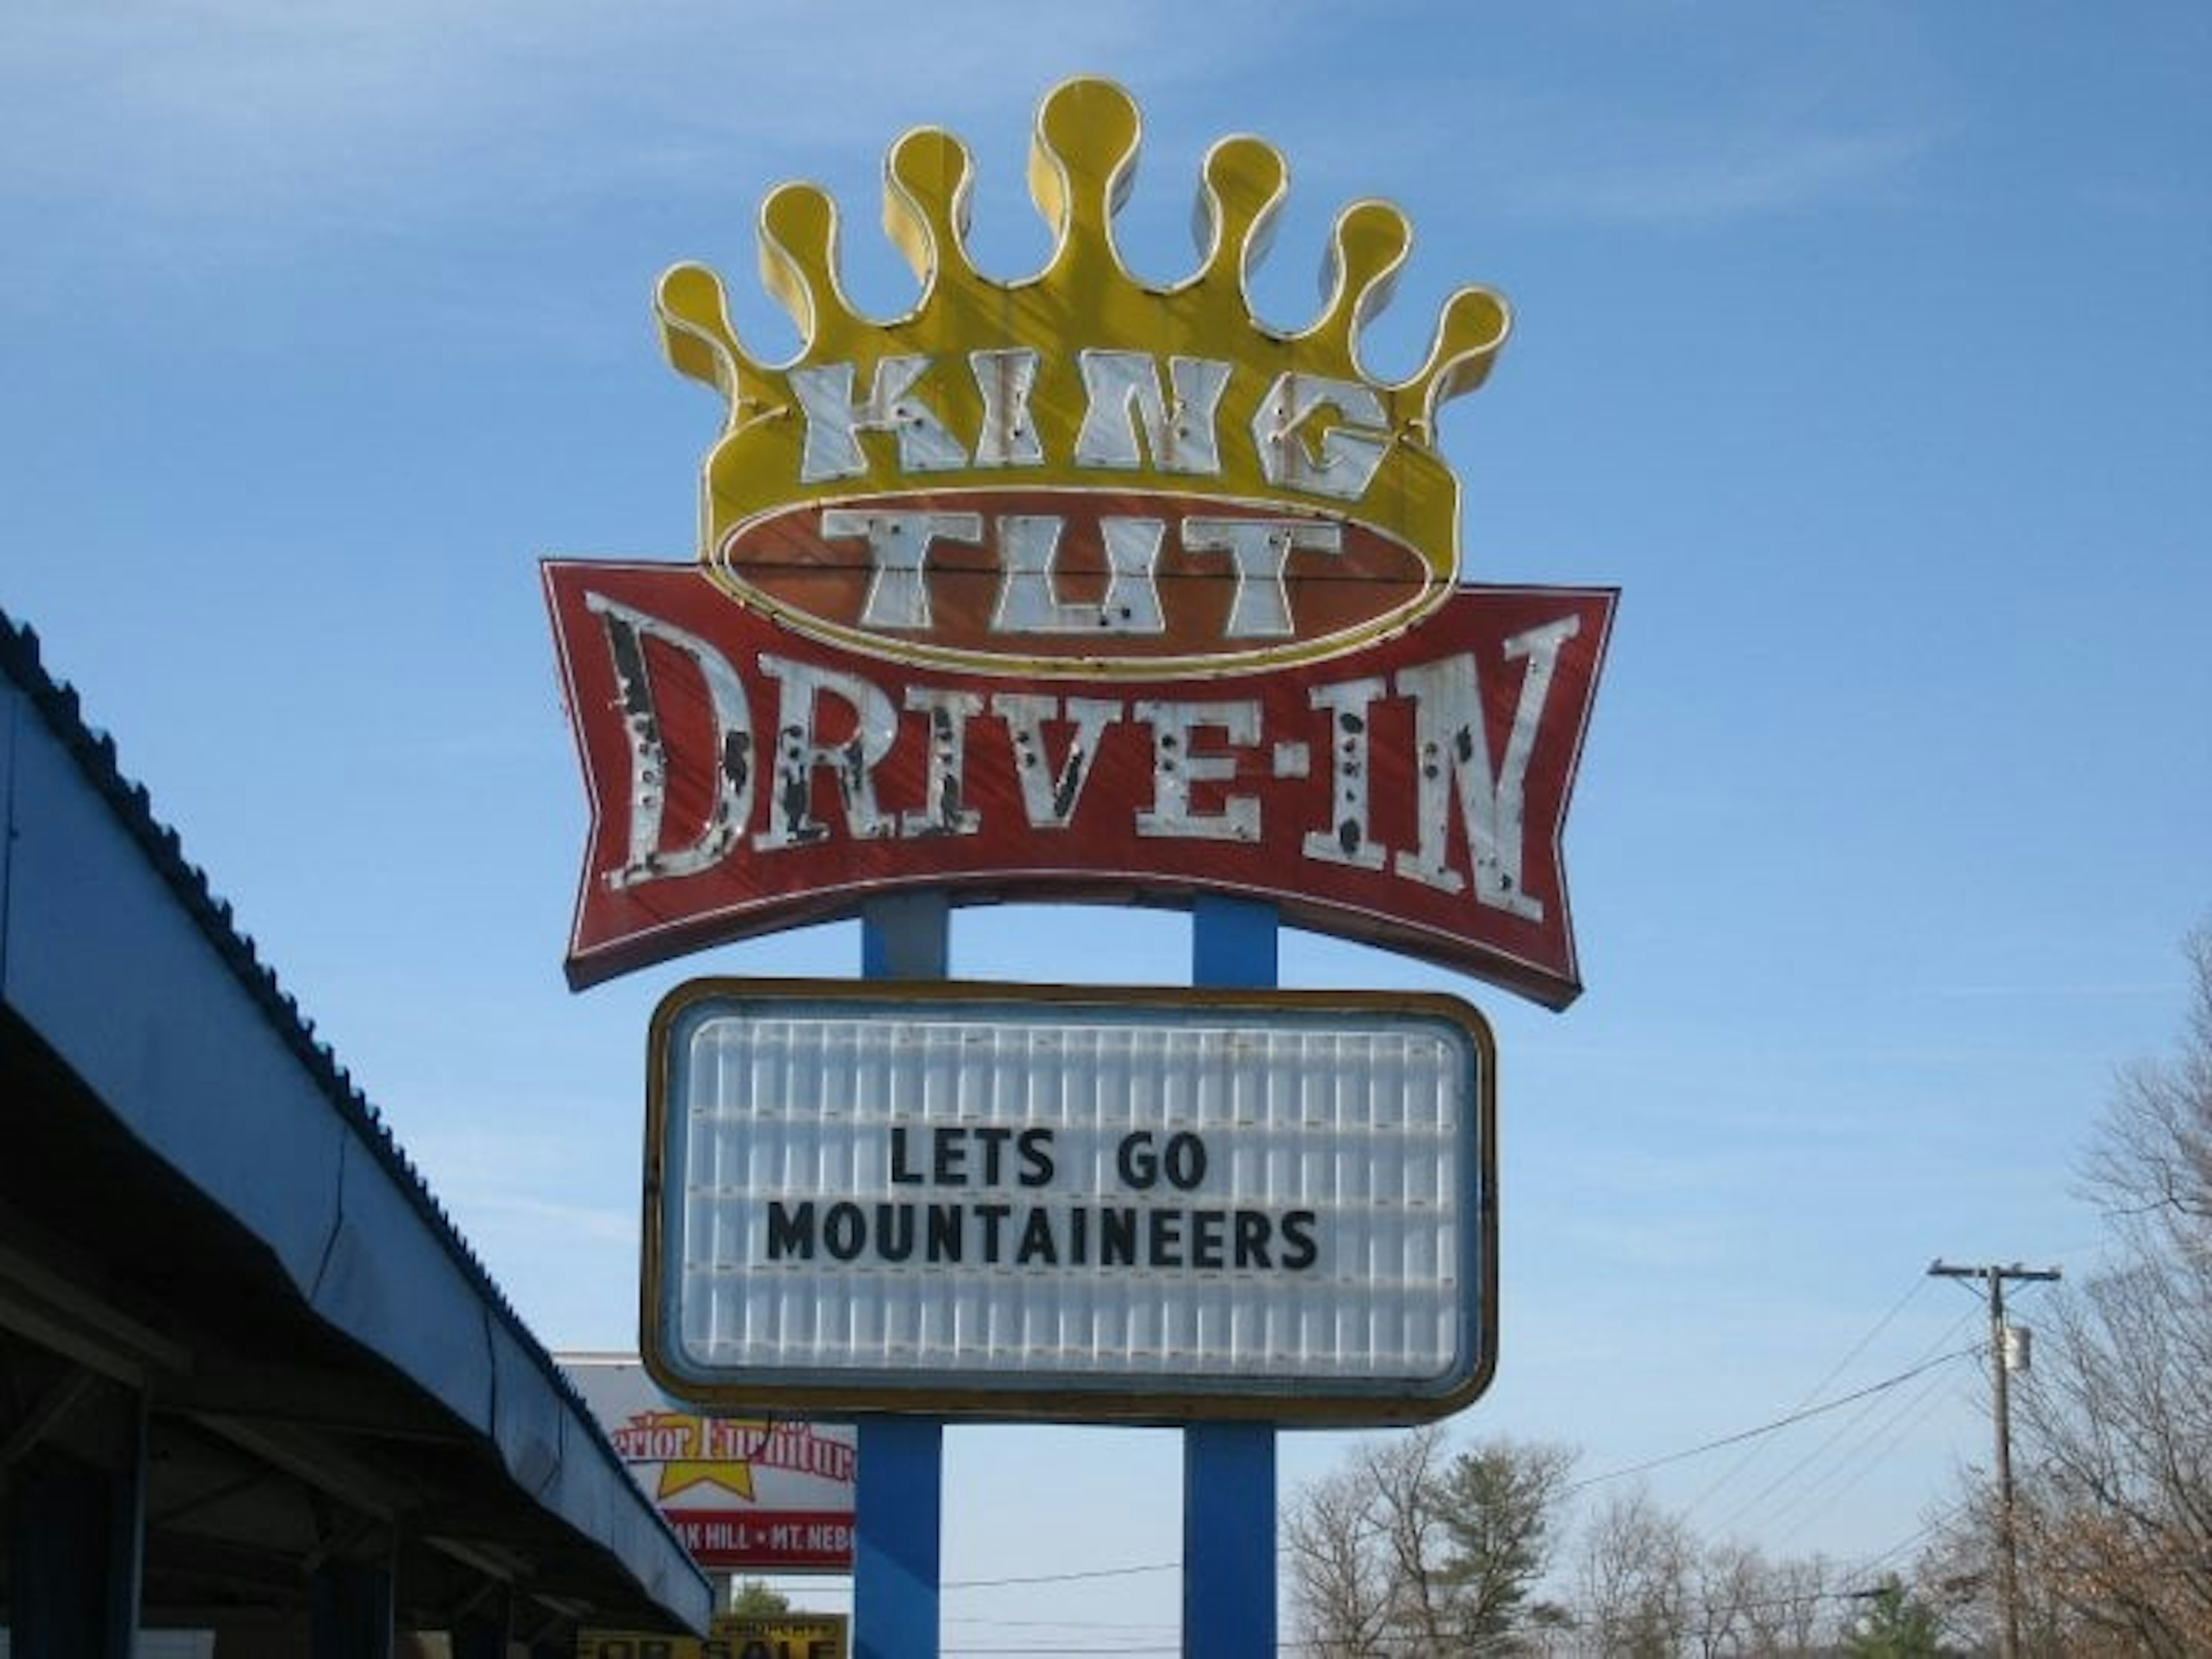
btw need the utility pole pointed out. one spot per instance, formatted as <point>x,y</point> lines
<point>2008,1552</point>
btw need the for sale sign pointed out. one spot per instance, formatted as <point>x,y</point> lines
<point>778,1636</point>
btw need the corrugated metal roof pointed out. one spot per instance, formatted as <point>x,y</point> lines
<point>116,953</point>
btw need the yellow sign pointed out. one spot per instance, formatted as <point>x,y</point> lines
<point>1076,585</point>
<point>1080,471</point>
<point>777,1636</point>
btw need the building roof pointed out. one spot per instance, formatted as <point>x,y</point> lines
<point>197,1201</point>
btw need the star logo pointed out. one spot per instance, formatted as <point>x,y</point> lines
<point>692,1451</point>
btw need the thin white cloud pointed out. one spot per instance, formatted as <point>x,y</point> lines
<point>2145,990</point>
<point>1653,1246</point>
<point>504,1210</point>
<point>1778,174</point>
<point>251,104</point>
<point>1564,154</point>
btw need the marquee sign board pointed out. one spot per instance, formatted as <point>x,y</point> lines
<point>1077,587</point>
<point>1071,1204</point>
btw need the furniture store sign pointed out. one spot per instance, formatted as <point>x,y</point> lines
<point>1072,1203</point>
<point>744,1493</point>
<point>1077,587</point>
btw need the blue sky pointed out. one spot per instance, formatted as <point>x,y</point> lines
<point>1867,349</point>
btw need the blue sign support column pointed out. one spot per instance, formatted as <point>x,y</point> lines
<point>899,1495</point>
<point>1228,1468</point>
<point>898,1510</point>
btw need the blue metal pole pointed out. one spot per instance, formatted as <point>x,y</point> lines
<point>1228,1468</point>
<point>1232,943</point>
<point>1228,1540</point>
<point>899,1498</point>
<point>898,1510</point>
<point>907,938</point>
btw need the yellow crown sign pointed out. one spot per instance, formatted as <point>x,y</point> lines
<point>1077,587</point>
<point>1078,473</point>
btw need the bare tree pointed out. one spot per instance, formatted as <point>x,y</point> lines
<point>2152,1163</point>
<point>2115,1422</point>
<point>1411,1508</point>
<point>1406,1551</point>
<point>1792,1614</point>
<point>1743,1606</point>
<point>1340,1578</point>
<point>1729,1584</point>
<point>1635,1579</point>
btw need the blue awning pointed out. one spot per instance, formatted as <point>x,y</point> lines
<point>197,1188</point>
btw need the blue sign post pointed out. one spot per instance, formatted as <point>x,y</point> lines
<point>897,1518</point>
<point>1228,1468</point>
<point>899,1489</point>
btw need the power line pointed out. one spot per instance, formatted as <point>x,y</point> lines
<point>1062,1577</point>
<point>1790,1420</point>
<point>1865,1567</point>
<point>1811,1394</point>
<point>1856,1468</point>
<point>1882,1438</point>
<point>1738,1438</point>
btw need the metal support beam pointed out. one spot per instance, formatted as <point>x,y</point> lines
<point>350,1611</point>
<point>479,1638</point>
<point>41,1303</point>
<point>899,1494</point>
<point>1228,1468</point>
<point>898,1516</point>
<point>75,1530</point>
<point>908,937</point>
<point>46,1414</point>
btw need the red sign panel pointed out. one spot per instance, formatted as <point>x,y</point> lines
<point>787,1540</point>
<point>746,777</point>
